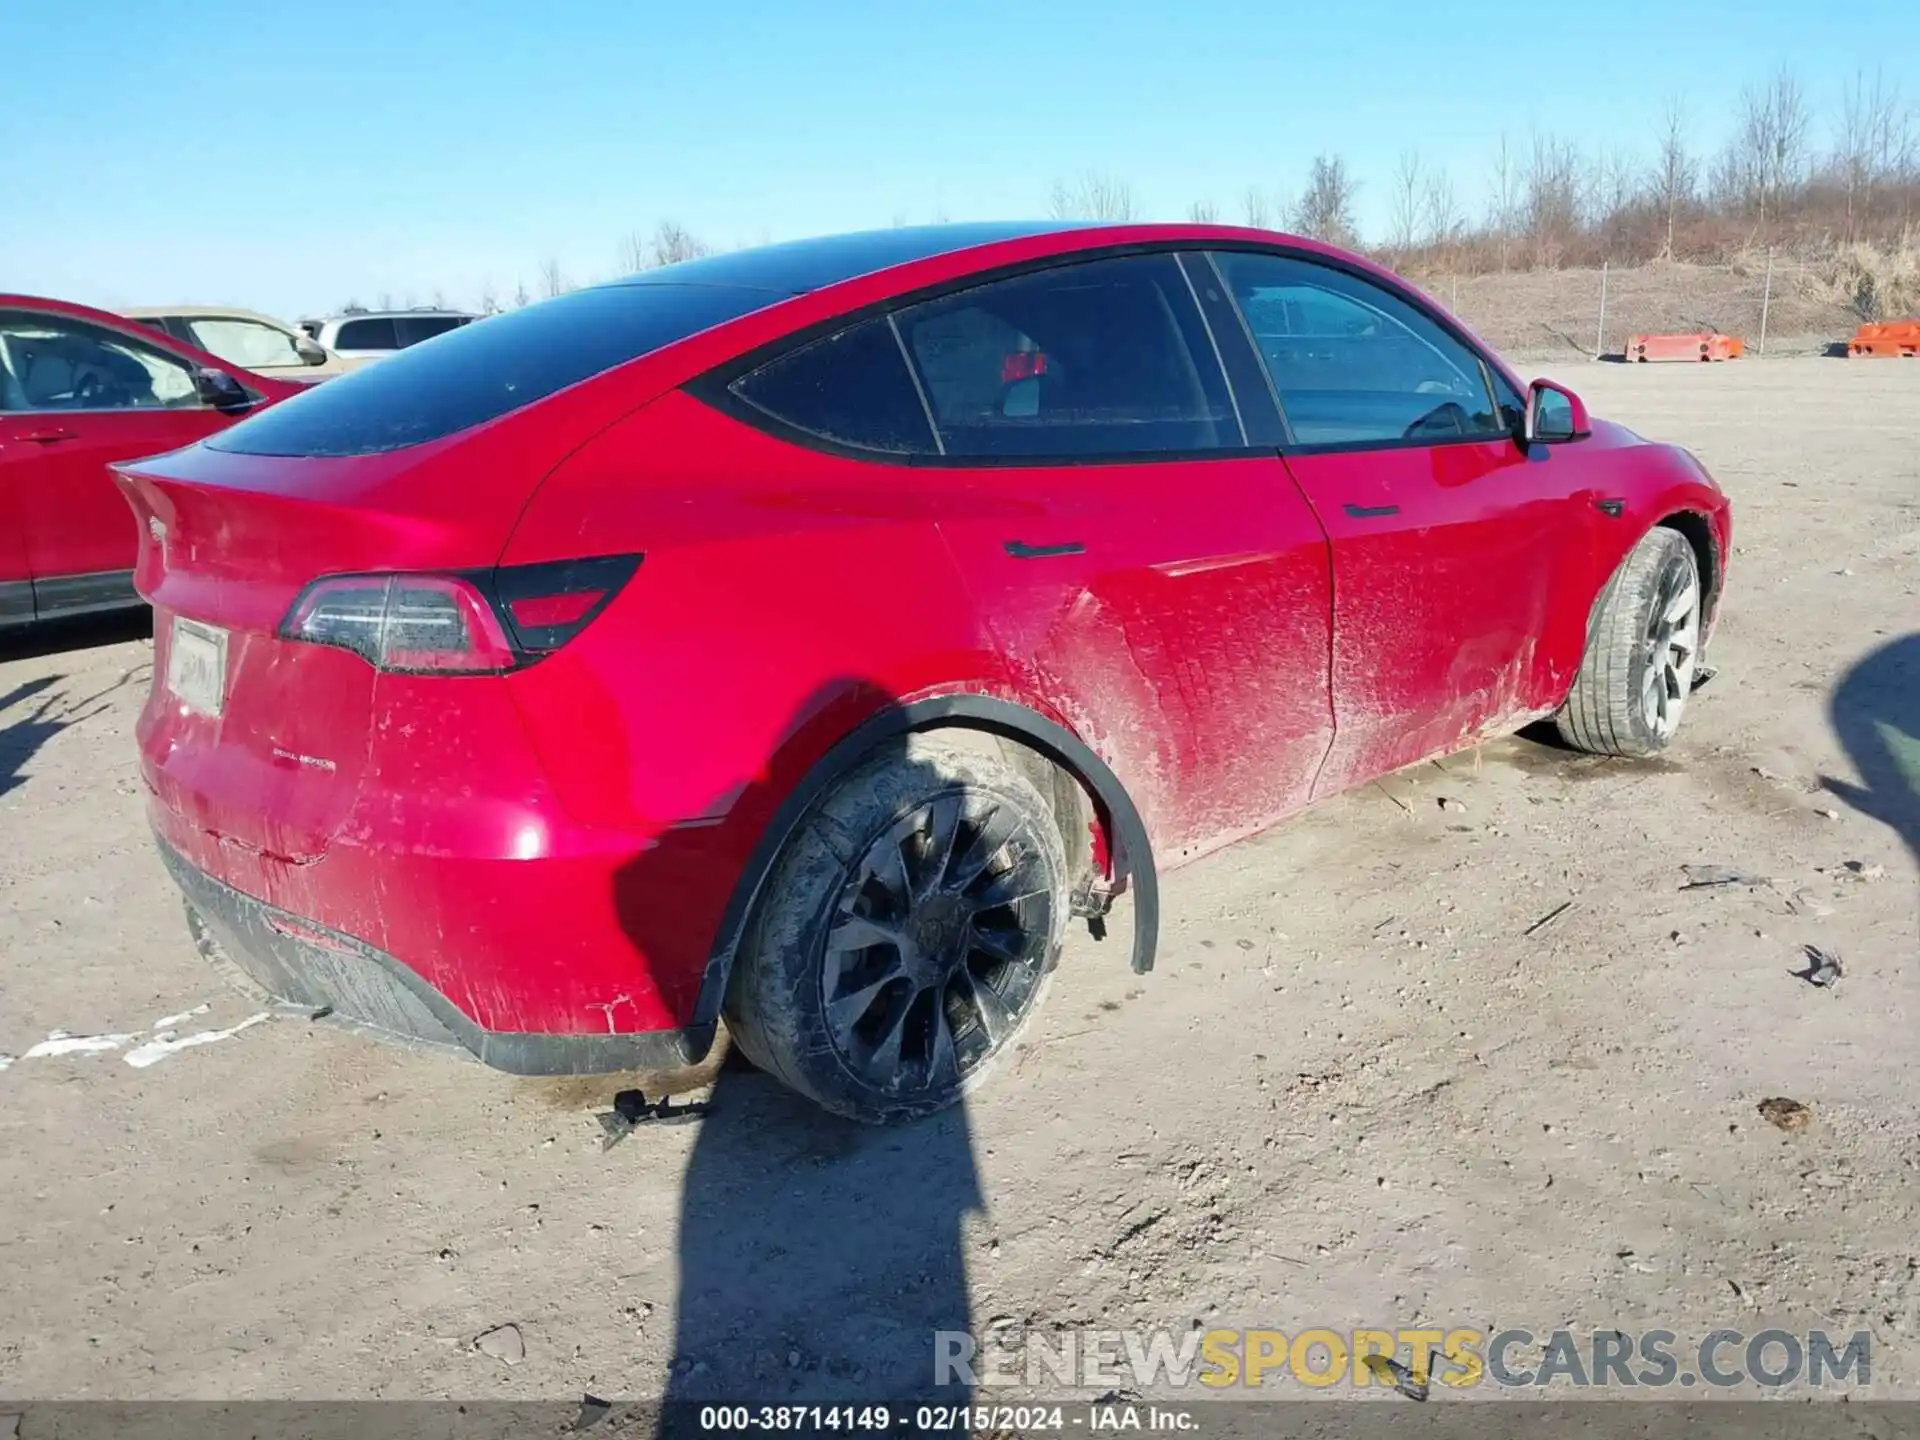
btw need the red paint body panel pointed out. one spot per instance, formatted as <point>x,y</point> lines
<point>55,484</point>
<point>1461,576</point>
<point>553,849</point>
<point>1187,643</point>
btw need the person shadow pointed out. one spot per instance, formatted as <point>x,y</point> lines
<point>1875,711</point>
<point>820,1259</point>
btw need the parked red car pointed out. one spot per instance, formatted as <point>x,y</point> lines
<point>79,389</point>
<point>805,634</point>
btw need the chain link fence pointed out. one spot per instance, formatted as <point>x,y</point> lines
<point>1778,305</point>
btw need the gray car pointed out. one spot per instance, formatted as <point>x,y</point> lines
<point>369,334</point>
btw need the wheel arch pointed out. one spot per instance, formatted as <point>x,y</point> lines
<point>1124,830</point>
<point>1697,530</point>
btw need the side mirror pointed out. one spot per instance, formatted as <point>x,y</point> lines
<point>308,349</point>
<point>1555,415</point>
<point>221,391</point>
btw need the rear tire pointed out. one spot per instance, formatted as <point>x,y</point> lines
<point>906,933</point>
<point>1643,651</point>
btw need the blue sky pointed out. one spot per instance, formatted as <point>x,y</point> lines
<point>291,156</point>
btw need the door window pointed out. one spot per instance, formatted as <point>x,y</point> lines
<point>246,343</point>
<point>1105,358</point>
<point>51,363</point>
<point>1353,364</point>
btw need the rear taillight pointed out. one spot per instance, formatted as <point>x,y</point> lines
<point>474,623</point>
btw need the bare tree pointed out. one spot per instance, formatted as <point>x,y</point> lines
<point>1325,211</point>
<point>1873,145</point>
<point>552,282</point>
<point>1612,195</point>
<point>633,253</point>
<point>1442,212</point>
<point>1406,206</point>
<point>489,302</point>
<point>1259,212</point>
<point>1204,212</point>
<point>1092,195</point>
<point>439,298</point>
<point>1503,206</point>
<point>1676,173</point>
<point>1552,190</point>
<point>520,297</point>
<point>384,300</point>
<point>673,242</point>
<point>353,307</point>
<point>1769,148</point>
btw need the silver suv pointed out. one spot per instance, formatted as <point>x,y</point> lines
<point>369,334</point>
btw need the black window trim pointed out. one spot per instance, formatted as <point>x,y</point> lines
<point>919,386</point>
<point>714,387</point>
<point>1489,372</point>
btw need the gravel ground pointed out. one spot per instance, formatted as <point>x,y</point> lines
<point>1372,1084</point>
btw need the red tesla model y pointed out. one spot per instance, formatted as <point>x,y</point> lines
<point>802,636</point>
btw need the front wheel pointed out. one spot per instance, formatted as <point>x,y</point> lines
<point>906,933</point>
<point>1643,651</point>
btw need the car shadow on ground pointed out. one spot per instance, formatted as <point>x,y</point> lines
<point>819,1258</point>
<point>1875,711</point>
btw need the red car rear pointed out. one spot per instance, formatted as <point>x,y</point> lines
<point>80,389</point>
<point>805,634</point>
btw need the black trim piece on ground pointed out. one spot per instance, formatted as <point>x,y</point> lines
<point>384,995</point>
<point>61,595</point>
<point>1132,850</point>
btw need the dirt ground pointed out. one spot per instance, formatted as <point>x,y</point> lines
<point>1371,1083</point>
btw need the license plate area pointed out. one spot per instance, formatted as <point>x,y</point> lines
<point>197,665</point>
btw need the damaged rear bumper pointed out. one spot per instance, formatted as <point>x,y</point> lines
<point>298,962</point>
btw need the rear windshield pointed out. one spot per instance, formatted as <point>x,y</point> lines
<point>477,372</point>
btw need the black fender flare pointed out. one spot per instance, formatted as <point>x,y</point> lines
<point>1126,831</point>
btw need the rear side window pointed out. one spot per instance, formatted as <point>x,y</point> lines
<point>1101,358</point>
<point>1353,364</point>
<point>852,388</point>
<point>479,372</point>
<point>367,335</point>
<point>415,328</point>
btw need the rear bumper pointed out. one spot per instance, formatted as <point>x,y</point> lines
<point>299,962</point>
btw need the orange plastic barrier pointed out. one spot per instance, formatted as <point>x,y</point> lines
<point>1886,339</point>
<point>1707,345</point>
